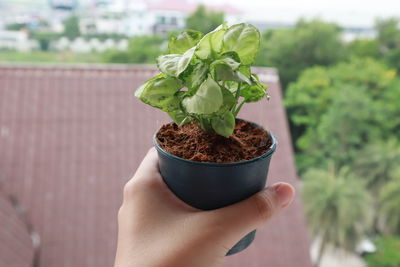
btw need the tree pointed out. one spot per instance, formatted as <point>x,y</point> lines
<point>390,204</point>
<point>334,111</point>
<point>377,162</point>
<point>44,39</point>
<point>16,26</point>
<point>71,27</point>
<point>389,40</point>
<point>364,48</point>
<point>308,44</point>
<point>387,254</point>
<point>203,20</point>
<point>392,58</point>
<point>388,33</point>
<point>337,205</point>
<point>141,49</point>
<point>347,125</point>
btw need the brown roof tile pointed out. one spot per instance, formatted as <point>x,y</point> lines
<point>70,137</point>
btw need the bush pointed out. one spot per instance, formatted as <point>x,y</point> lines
<point>387,254</point>
<point>141,49</point>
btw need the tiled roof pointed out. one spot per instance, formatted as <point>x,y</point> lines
<point>70,138</point>
<point>16,247</point>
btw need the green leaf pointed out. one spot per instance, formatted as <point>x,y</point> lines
<point>207,99</point>
<point>195,75</point>
<point>228,102</point>
<point>233,64</point>
<point>224,125</point>
<point>231,54</point>
<point>175,64</point>
<point>231,86</point>
<point>178,116</point>
<point>254,92</point>
<point>211,43</point>
<point>184,41</point>
<point>226,69</point>
<point>160,92</point>
<point>139,91</point>
<point>245,70</point>
<point>244,39</point>
<point>205,123</point>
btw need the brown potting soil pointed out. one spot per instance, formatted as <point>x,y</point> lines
<point>191,142</point>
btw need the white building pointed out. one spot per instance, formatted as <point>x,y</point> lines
<point>144,17</point>
<point>16,40</point>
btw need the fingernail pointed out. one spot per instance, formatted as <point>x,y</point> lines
<point>285,193</point>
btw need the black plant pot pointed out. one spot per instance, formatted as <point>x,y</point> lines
<point>208,185</point>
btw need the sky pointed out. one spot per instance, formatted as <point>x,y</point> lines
<point>345,12</point>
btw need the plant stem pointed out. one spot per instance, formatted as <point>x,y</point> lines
<point>236,111</point>
<point>237,92</point>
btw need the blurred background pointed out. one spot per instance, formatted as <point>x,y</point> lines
<point>338,65</point>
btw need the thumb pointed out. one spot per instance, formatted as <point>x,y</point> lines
<point>243,217</point>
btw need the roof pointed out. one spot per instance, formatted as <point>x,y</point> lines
<point>16,247</point>
<point>188,7</point>
<point>72,136</point>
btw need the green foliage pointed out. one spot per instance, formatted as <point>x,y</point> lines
<point>105,36</point>
<point>206,79</point>
<point>390,203</point>
<point>345,126</point>
<point>44,39</point>
<point>203,20</point>
<point>389,40</point>
<point>50,57</point>
<point>308,44</point>
<point>377,161</point>
<point>364,48</point>
<point>141,49</point>
<point>16,26</point>
<point>388,33</point>
<point>392,58</point>
<point>244,40</point>
<point>387,255</point>
<point>337,206</point>
<point>337,110</point>
<point>71,27</point>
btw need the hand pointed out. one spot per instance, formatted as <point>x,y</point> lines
<point>156,229</point>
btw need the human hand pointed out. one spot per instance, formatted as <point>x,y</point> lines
<point>156,229</point>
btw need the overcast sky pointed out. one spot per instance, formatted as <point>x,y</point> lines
<point>345,12</point>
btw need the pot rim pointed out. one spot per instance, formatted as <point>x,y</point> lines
<point>271,150</point>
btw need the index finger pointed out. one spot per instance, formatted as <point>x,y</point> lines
<point>149,164</point>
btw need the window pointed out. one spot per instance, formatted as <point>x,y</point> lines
<point>161,20</point>
<point>174,21</point>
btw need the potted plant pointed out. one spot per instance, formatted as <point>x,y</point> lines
<point>207,157</point>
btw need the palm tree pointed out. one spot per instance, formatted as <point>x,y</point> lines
<point>337,207</point>
<point>376,162</point>
<point>390,204</point>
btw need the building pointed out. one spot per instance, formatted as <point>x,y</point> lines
<point>72,136</point>
<point>17,40</point>
<point>144,17</point>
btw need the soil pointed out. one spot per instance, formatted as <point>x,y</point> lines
<point>191,142</point>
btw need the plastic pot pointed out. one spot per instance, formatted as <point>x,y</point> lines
<point>207,185</point>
